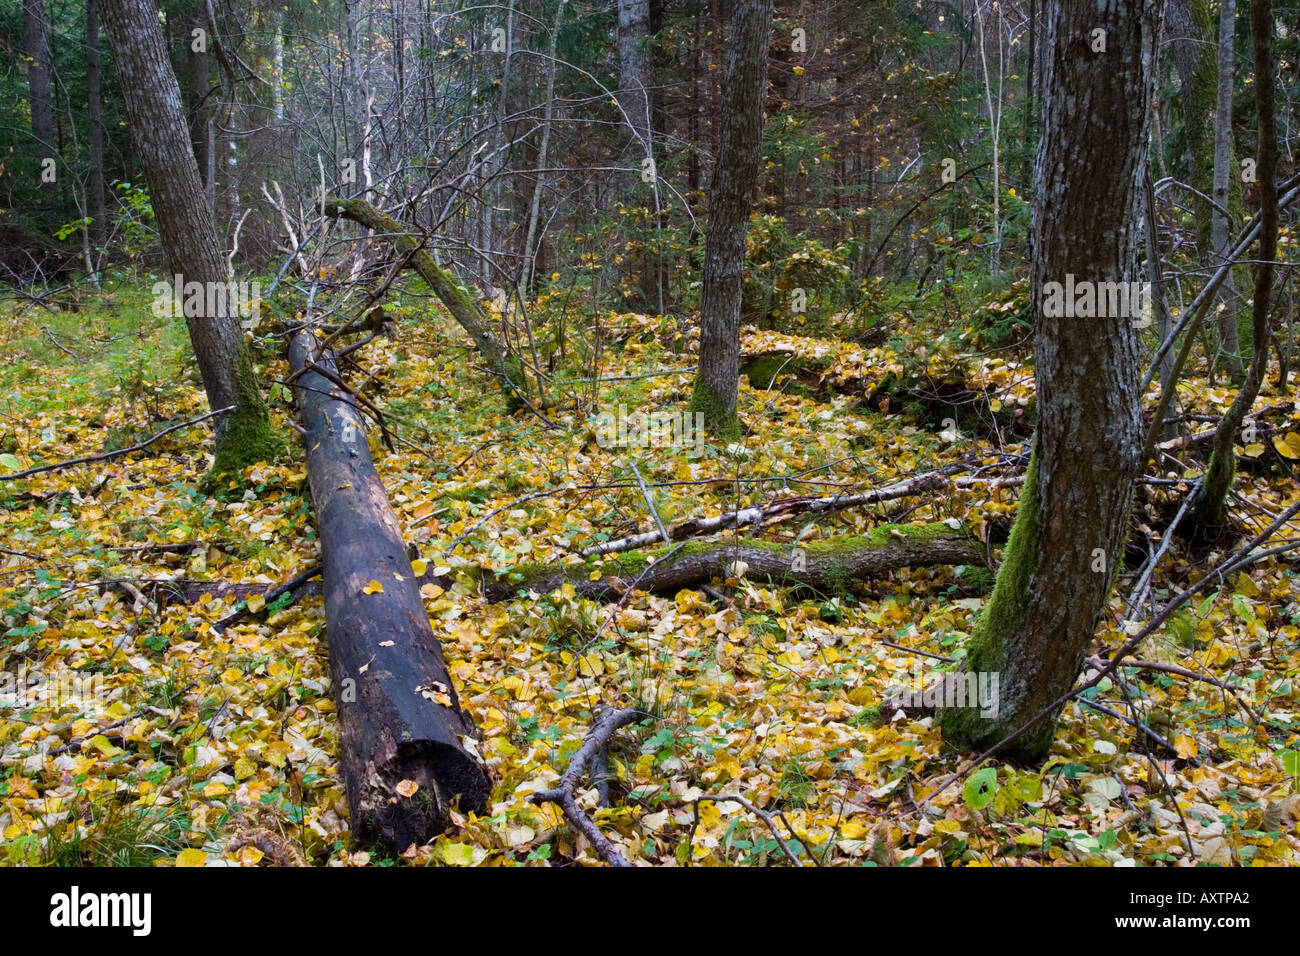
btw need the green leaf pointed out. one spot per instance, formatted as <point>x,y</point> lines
<point>10,462</point>
<point>1291,761</point>
<point>981,788</point>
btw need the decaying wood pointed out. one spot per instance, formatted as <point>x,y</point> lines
<point>461,306</point>
<point>822,565</point>
<point>400,724</point>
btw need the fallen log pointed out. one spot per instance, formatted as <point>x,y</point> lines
<point>400,724</point>
<point>823,565</point>
<point>461,306</point>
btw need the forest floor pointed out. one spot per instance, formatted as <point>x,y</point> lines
<point>220,748</point>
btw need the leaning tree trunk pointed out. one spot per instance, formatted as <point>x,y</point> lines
<point>462,308</point>
<point>399,719</point>
<point>1068,534</point>
<point>1208,513</point>
<point>153,108</point>
<point>731,196</point>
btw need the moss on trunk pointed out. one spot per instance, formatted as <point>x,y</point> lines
<point>244,438</point>
<point>986,652</point>
<point>248,437</point>
<point>720,419</point>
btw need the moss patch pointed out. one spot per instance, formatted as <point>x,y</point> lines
<point>720,422</point>
<point>247,439</point>
<point>1002,617</point>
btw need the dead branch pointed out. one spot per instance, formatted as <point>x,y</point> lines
<point>594,743</point>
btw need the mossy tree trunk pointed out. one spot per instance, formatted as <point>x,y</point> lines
<point>1208,513</point>
<point>731,197</point>
<point>462,307</point>
<point>1059,564</point>
<point>152,99</point>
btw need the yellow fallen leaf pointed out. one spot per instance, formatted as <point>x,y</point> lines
<point>419,566</point>
<point>853,830</point>
<point>1289,445</point>
<point>407,788</point>
<point>104,746</point>
<point>256,602</point>
<point>455,854</point>
<point>1185,746</point>
<point>191,857</point>
<point>249,856</point>
<point>374,587</point>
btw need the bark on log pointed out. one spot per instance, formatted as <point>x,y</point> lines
<point>825,565</point>
<point>399,718</point>
<point>462,308</point>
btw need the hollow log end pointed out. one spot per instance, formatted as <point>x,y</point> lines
<point>446,777</point>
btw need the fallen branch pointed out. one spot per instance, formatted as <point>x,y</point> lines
<point>780,509</point>
<point>270,596</point>
<point>117,453</point>
<point>462,308</point>
<point>594,743</point>
<point>766,818</point>
<point>1263,430</point>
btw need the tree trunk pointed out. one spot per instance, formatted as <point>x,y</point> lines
<point>1208,513</point>
<point>198,112</point>
<point>543,151</point>
<point>1068,535</point>
<point>1220,231</point>
<point>40,75</point>
<point>731,197</point>
<point>827,566</point>
<point>462,308</point>
<point>634,68</point>
<point>399,717</point>
<point>153,108</point>
<point>97,212</point>
<point>496,161</point>
<point>1190,33</point>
